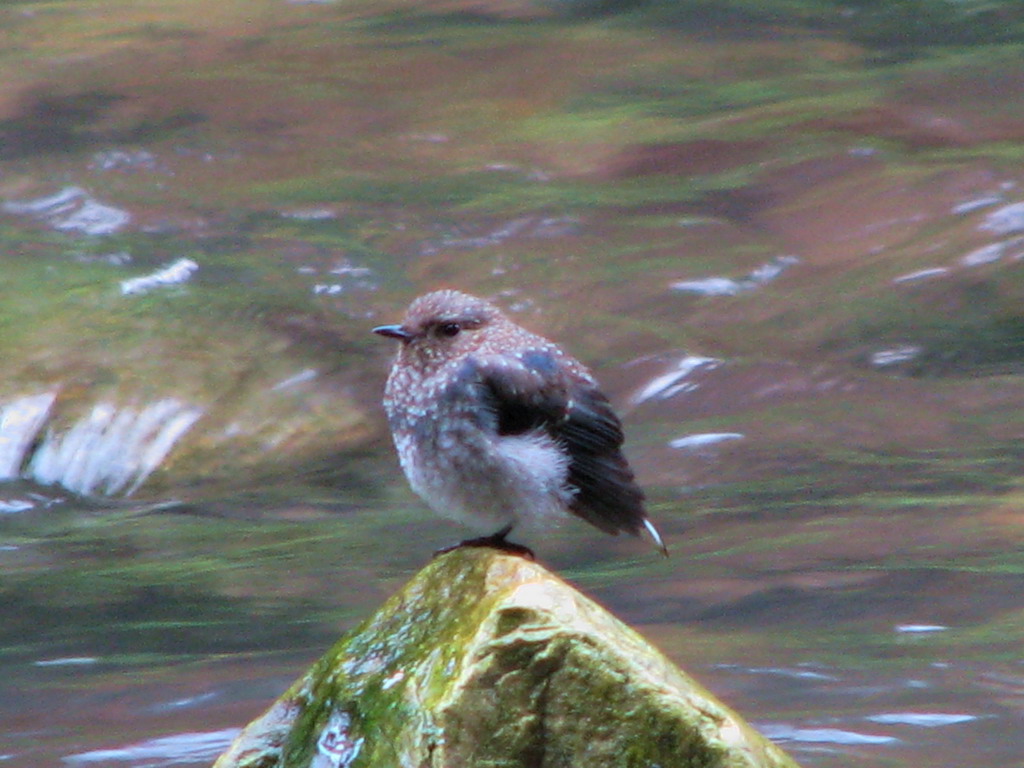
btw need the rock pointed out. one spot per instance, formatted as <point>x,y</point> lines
<point>485,659</point>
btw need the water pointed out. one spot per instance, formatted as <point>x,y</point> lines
<point>108,452</point>
<point>788,245</point>
<point>145,637</point>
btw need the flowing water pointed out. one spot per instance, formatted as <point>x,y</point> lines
<point>787,237</point>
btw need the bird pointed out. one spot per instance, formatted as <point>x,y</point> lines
<point>498,427</point>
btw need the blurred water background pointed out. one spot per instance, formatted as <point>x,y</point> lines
<point>787,235</point>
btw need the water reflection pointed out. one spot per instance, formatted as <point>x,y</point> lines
<point>179,749</point>
<point>147,639</point>
<point>831,439</point>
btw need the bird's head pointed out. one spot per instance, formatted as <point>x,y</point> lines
<point>440,326</point>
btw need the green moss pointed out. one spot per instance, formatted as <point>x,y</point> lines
<point>366,674</point>
<point>486,660</point>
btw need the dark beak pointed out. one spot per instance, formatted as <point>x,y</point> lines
<point>393,331</point>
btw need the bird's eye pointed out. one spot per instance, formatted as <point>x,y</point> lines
<point>449,329</point>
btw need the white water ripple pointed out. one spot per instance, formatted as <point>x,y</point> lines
<point>164,751</point>
<point>783,733</point>
<point>112,450</point>
<point>921,719</point>
<point>20,422</point>
<point>72,209</point>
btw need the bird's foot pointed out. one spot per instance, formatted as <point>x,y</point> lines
<point>494,541</point>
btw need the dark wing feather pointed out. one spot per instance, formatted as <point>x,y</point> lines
<point>607,493</point>
<point>532,391</point>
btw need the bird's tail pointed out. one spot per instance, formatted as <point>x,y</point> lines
<point>655,537</point>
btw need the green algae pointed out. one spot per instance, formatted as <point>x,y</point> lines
<point>367,674</point>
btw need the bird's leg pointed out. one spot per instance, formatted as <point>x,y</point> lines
<point>497,541</point>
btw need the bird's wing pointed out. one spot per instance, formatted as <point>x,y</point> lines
<point>534,390</point>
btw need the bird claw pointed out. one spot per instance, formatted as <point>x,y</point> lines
<point>494,541</point>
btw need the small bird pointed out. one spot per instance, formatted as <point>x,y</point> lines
<point>496,426</point>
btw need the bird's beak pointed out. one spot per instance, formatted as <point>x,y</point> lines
<point>393,331</point>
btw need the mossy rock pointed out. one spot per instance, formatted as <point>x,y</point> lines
<point>489,660</point>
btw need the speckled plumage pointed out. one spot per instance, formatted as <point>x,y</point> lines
<point>497,427</point>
